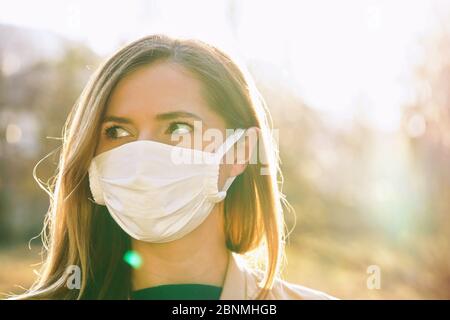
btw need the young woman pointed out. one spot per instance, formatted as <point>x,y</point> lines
<point>136,218</point>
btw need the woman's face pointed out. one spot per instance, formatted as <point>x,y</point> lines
<point>154,103</point>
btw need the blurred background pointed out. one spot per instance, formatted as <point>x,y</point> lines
<point>360,93</point>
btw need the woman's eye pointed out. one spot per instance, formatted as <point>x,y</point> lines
<point>116,132</point>
<point>179,128</point>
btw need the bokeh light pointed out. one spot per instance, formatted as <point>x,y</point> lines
<point>133,259</point>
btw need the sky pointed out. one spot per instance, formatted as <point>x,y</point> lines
<point>346,59</point>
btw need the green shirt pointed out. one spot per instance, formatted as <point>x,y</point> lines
<point>178,292</point>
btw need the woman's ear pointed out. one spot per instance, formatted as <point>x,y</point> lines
<point>245,151</point>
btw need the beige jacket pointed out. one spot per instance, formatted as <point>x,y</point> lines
<point>241,283</point>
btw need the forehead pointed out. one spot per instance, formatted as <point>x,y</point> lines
<point>156,88</point>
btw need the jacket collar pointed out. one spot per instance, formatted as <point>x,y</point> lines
<point>239,283</point>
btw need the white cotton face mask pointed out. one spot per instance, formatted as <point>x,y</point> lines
<point>152,194</point>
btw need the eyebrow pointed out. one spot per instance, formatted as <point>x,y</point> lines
<point>176,114</point>
<point>117,119</point>
<point>160,116</point>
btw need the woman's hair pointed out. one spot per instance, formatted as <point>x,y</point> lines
<point>78,232</point>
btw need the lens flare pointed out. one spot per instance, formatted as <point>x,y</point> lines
<point>133,259</point>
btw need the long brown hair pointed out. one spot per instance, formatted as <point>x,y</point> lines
<point>82,233</point>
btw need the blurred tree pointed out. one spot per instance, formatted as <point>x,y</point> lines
<point>35,101</point>
<point>427,125</point>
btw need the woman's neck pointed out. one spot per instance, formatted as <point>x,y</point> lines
<point>200,257</point>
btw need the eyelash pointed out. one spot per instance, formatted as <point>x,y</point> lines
<point>109,130</point>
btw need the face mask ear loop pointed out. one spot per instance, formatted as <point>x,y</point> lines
<point>224,148</point>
